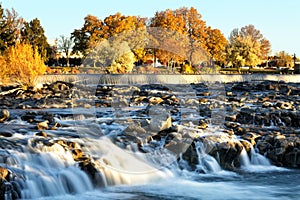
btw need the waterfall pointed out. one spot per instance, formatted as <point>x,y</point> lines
<point>258,159</point>
<point>206,163</point>
<point>244,158</point>
<point>52,171</point>
<point>48,171</point>
<point>255,158</point>
<point>120,166</point>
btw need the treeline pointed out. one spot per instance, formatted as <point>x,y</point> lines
<point>182,36</point>
<point>23,48</point>
<point>118,42</point>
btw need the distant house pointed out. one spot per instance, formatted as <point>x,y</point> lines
<point>150,60</point>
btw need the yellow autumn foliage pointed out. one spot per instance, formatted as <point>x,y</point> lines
<point>187,69</point>
<point>21,64</point>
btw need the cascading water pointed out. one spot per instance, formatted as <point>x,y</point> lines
<point>119,166</point>
<point>47,171</point>
<point>207,163</point>
<point>254,159</point>
<point>126,168</point>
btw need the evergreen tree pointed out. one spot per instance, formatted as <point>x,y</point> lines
<point>34,34</point>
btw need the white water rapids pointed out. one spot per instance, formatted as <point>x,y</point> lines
<point>51,173</point>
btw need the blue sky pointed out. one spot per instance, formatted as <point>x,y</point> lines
<point>277,20</point>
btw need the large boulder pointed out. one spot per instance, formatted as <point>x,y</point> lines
<point>160,118</point>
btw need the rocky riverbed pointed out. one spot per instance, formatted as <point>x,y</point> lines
<point>172,121</point>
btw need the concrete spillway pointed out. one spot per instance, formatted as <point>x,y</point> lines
<point>163,78</point>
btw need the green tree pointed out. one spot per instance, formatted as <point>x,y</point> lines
<point>34,34</point>
<point>89,35</point>
<point>10,27</point>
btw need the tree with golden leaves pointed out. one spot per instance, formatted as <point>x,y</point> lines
<point>186,22</point>
<point>247,47</point>
<point>22,63</point>
<point>195,29</point>
<point>168,36</point>
<point>257,36</point>
<point>92,32</point>
<point>216,45</point>
<point>131,29</point>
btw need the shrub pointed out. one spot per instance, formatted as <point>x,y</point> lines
<point>22,64</point>
<point>215,69</point>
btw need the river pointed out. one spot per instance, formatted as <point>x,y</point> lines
<point>122,148</point>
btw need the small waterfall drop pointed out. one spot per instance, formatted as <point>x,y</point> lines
<point>48,171</point>
<point>255,159</point>
<point>118,166</point>
<point>207,163</point>
<point>258,159</point>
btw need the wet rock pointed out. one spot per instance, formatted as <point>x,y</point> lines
<point>231,118</point>
<point>251,138</point>
<point>228,153</point>
<point>245,116</point>
<point>155,100</point>
<point>284,105</point>
<point>4,115</point>
<point>3,173</point>
<point>247,145</point>
<point>202,125</point>
<point>191,156</point>
<point>6,133</point>
<point>292,159</point>
<point>135,128</point>
<point>60,86</point>
<point>42,133</point>
<point>160,118</point>
<point>77,154</point>
<point>37,96</point>
<point>43,125</point>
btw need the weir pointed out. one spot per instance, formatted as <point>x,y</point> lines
<point>116,79</point>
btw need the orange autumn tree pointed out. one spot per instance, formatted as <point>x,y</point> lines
<point>21,64</point>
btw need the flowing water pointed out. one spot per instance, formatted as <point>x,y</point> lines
<point>50,172</point>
